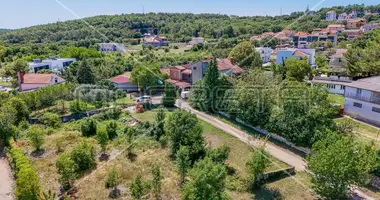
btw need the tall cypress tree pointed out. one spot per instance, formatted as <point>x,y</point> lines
<point>85,74</point>
<point>211,83</point>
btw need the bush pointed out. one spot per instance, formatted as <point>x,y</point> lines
<point>51,119</point>
<point>36,137</point>
<point>112,179</point>
<point>88,127</point>
<point>78,106</point>
<point>112,130</point>
<point>84,156</point>
<point>66,168</point>
<point>27,182</point>
<point>102,137</point>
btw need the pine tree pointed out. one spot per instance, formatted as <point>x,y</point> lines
<point>85,74</point>
<point>211,83</point>
<point>170,95</point>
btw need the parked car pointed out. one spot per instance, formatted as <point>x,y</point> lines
<point>144,99</point>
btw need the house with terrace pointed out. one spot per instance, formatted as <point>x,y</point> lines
<point>156,41</point>
<point>123,82</point>
<point>186,75</point>
<point>362,99</point>
<point>283,54</point>
<point>30,82</point>
<point>53,63</point>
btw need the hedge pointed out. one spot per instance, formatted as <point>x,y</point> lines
<point>27,182</point>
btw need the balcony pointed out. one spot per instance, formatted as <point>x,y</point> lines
<point>334,78</point>
<point>372,99</point>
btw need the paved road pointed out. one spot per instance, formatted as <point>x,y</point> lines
<point>281,154</point>
<point>6,180</point>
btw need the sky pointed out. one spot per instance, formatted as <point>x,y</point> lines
<point>23,13</point>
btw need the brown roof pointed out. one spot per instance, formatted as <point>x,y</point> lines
<point>372,84</point>
<point>339,53</point>
<point>40,78</point>
<point>178,68</point>
<point>120,79</point>
<point>302,34</point>
<point>165,71</point>
<point>181,84</point>
<point>187,71</point>
<point>299,53</point>
<point>226,64</point>
<point>335,26</point>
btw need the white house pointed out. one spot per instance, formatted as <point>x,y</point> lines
<point>265,53</point>
<point>331,16</point>
<point>362,99</point>
<point>28,82</point>
<point>335,84</point>
<point>111,47</point>
<point>122,82</point>
<point>197,40</point>
<point>55,64</point>
<point>283,54</point>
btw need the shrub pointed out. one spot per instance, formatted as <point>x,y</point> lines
<point>88,127</point>
<point>67,170</point>
<point>137,188</point>
<point>102,137</point>
<point>84,156</point>
<point>51,119</point>
<point>112,179</point>
<point>27,183</point>
<point>219,155</point>
<point>78,106</point>
<point>112,130</point>
<point>36,137</point>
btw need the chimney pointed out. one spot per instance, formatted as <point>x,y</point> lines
<point>20,77</point>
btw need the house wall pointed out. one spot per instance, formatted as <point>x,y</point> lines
<point>26,87</point>
<point>197,71</point>
<point>175,74</point>
<point>364,113</point>
<point>336,88</point>
<point>282,56</point>
<point>265,53</point>
<point>129,87</point>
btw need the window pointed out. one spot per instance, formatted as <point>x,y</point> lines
<point>374,109</point>
<point>358,91</point>
<point>342,87</point>
<point>194,68</point>
<point>359,105</point>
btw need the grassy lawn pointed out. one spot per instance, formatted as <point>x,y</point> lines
<point>125,100</point>
<point>364,132</point>
<point>336,98</point>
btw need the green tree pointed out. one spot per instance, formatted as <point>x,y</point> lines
<point>245,56</point>
<point>337,163</point>
<point>83,155</point>
<point>297,69</point>
<point>256,165</point>
<point>207,181</point>
<point>36,137</point>
<point>329,44</point>
<point>183,162</point>
<point>145,76</point>
<point>321,62</point>
<point>157,181</point>
<point>219,155</point>
<point>184,129</point>
<point>22,111</point>
<point>112,130</point>
<point>51,119</point>
<point>112,182</point>
<point>102,137</point>
<point>211,83</point>
<point>137,188</point>
<point>159,123</point>
<point>170,95</point>
<point>85,75</point>
<point>88,127</point>
<point>66,168</point>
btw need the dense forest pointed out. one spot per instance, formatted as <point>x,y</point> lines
<point>177,27</point>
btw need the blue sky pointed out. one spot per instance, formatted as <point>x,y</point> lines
<point>23,13</point>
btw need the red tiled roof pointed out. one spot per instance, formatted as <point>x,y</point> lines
<point>120,79</point>
<point>178,83</point>
<point>165,71</point>
<point>302,34</point>
<point>178,68</point>
<point>40,78</point>
<point>187,66</point>
<point>187,71</point>
<point>299,53</point>
<point>226,64</point>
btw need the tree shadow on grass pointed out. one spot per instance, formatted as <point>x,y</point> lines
<point>265,193</point>
<point>38,153</point>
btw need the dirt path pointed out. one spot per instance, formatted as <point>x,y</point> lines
<point>6,180</point>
